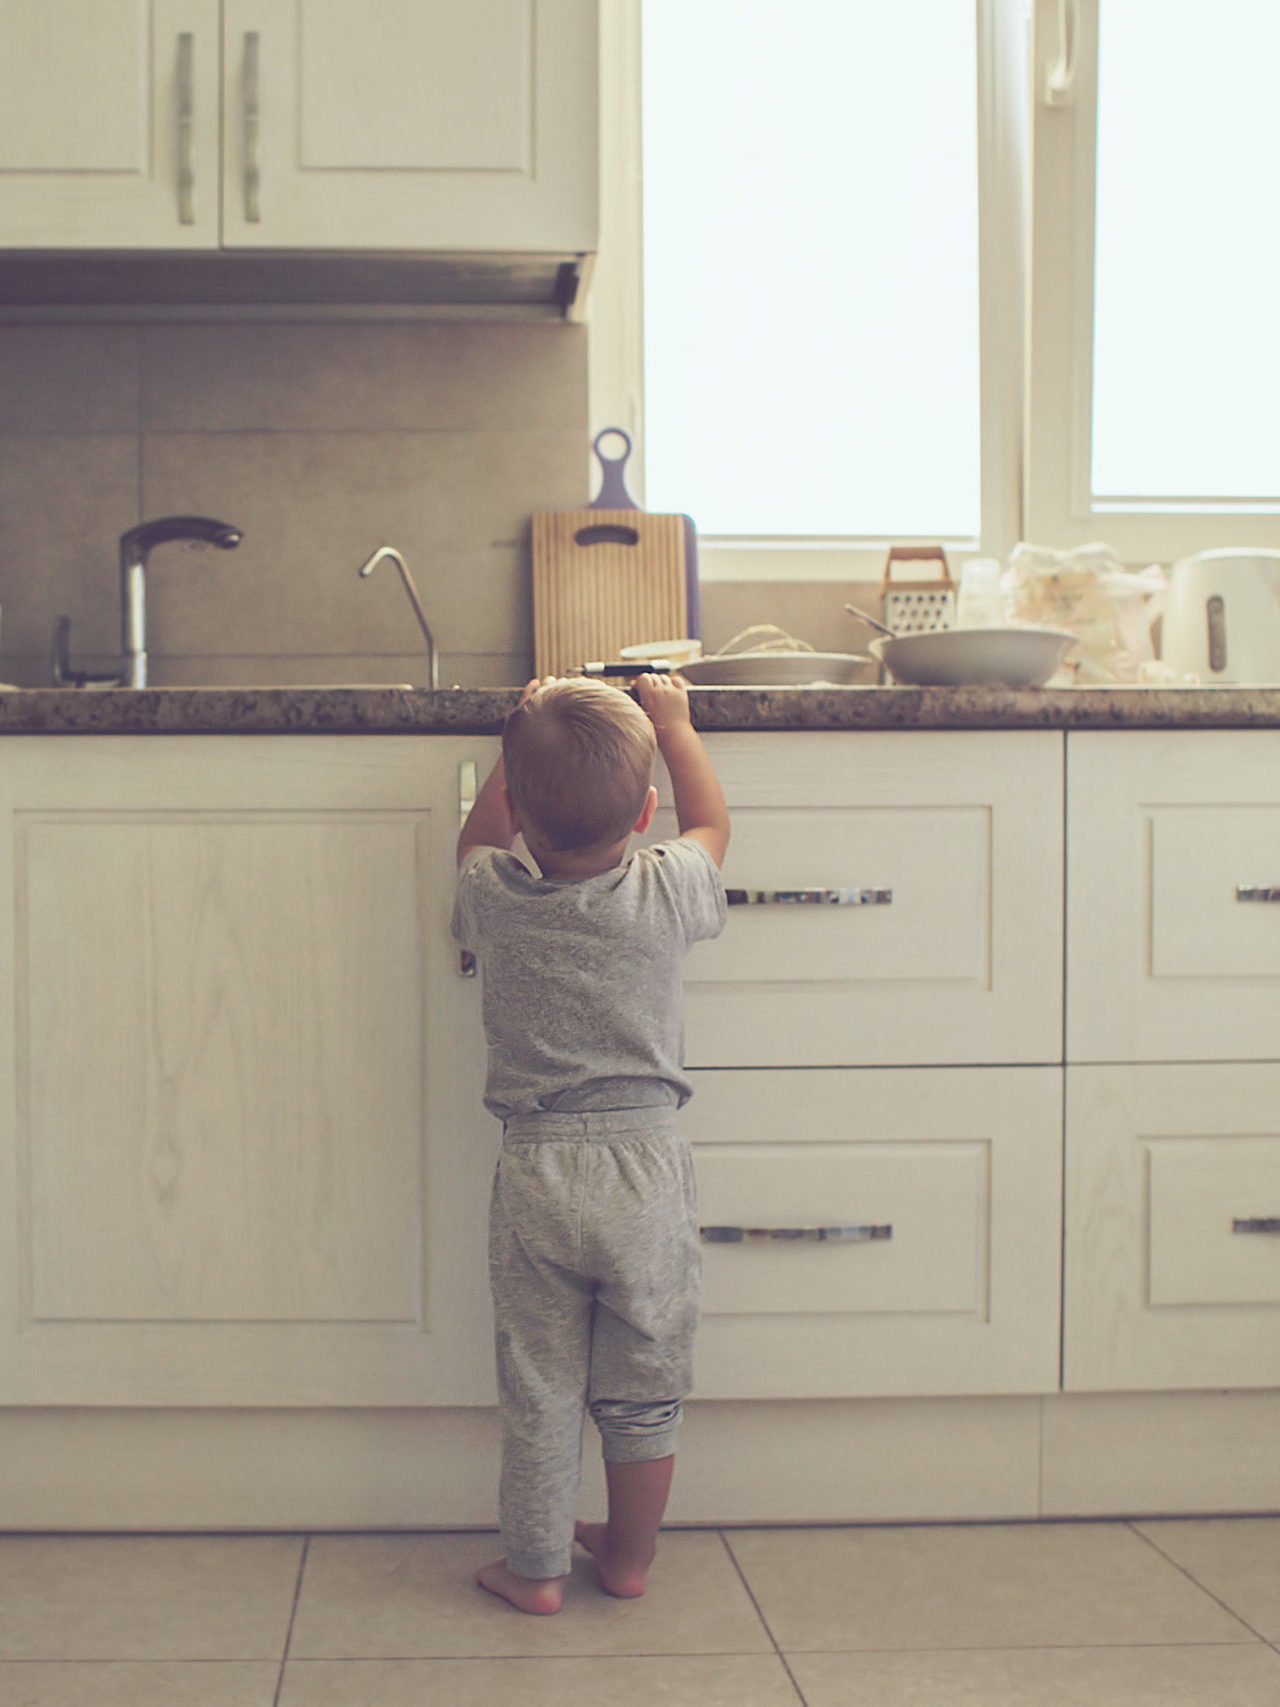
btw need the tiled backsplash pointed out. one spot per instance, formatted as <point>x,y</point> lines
<point>321,440</point>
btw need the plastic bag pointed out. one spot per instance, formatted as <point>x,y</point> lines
<point>1110,606</point>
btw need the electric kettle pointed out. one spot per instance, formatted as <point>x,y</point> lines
<point>1222,621</point>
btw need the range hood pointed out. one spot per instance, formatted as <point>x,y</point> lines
<point>537,284</point>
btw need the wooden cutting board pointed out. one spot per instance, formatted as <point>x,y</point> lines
<point>605,579</point>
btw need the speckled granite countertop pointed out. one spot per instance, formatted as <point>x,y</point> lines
<point>481,711</point>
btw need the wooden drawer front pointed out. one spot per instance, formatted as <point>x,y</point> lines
<point>932,1198</point>
<point>1173,1227</point>
<point>1213,1209</point>
<point>962,1165</point>
<point>1165,960</point>
<point>956,957</point>
<point>1201,926</point>
<point>935,865</point>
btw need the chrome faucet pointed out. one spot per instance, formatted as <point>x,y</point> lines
<point>367,568</point>
<point>135,548</point>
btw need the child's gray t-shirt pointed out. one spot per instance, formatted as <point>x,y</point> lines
<point>583,999</point>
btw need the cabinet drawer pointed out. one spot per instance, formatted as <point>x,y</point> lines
<point>951,846</point>
<point>950,1175</point>
<point>1173,855</point>
<point>1173,1219</point>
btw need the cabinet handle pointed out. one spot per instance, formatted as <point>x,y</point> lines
<point>1257,892</point>
<point>857,1235</point>
<point>1256,1224</point>
<point>186,129</point>
<point>467,788</point>
<point>252,172</point>
<point>809,897</point>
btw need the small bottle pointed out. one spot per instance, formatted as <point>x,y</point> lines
<point>981,604</point>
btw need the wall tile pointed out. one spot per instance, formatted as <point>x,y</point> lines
<point>321,440</point>
<point>313,506</point>
<point>61,379</point>
<point>811,611</point>
<point>369,377</point>
<point>64,501</point>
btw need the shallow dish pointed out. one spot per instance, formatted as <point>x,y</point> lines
<point>778,669</point>
<point>974,657</point>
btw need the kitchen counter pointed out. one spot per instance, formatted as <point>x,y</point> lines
<point>481,711</point>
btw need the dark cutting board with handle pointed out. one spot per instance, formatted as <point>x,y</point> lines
<point>610,576</point>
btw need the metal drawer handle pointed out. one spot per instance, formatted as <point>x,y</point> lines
<point>468,785</point>
<point>1256,1224</point>
<point>252,115</point>
<point>861,1235</point>
<point>186,129</point>
<point>1257,892</point>
<point>809,897</point>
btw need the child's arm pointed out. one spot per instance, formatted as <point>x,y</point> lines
<point>489,823</point>
<point>701,812</point>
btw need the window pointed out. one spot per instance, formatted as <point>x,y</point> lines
<point>1155,344</point>
<point>810,217</point>
<point>1123,194</point>
<point>821,373</point>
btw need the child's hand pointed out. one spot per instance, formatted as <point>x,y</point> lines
<point>665,700</point>
<point>532,687</point>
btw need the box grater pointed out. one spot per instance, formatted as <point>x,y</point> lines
<point>917,607</point>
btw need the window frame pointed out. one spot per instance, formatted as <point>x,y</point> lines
<point>616,313</point>
<point>1059,508</point>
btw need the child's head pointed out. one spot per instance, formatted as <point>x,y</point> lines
<point>578,757</point>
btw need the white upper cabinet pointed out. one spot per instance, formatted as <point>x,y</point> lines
<point>465,125</point>
<point>109,124</point>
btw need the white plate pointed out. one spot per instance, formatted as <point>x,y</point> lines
<point>778,669</point>
<point>974,657</point>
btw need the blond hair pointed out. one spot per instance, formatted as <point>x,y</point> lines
<point>578,758</point>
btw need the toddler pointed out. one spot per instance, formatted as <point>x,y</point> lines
<point>593,1243</point>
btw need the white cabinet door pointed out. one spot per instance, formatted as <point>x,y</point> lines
<point>243,1154</point>
<point>441,125</point>
<point>1173,906</point>
<point>955,957</point>
<point>1173,1227</point>
<point>950,1283</point>
<point>411,124</point>
<point>109,124</point>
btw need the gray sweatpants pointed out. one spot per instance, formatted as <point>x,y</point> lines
<point>594,1265</point>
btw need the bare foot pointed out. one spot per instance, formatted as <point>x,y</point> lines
<point>527,1594</point>
<point>620,1577</point>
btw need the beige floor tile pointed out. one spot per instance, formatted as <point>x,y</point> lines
<point>166,1683</point>
<point>1235,1558</point>
<point>414,1597</point>
<point>979,1586</point>
<point>147,1597</point>
<point>690,1680</point>
<point>1039,1677</point>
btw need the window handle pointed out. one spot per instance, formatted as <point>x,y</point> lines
<point>1060,77</point>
